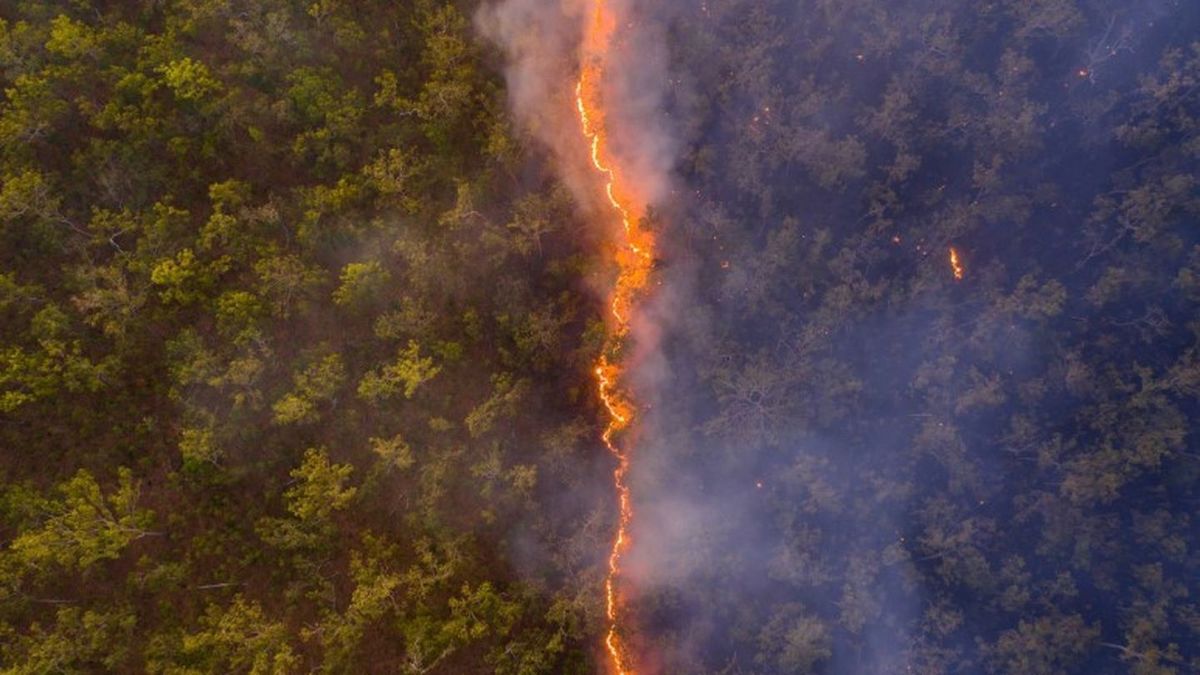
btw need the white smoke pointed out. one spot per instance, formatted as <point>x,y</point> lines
<point>540,41</point>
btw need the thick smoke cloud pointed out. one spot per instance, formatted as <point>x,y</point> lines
<point>541,41</point>
<point>704,540</point>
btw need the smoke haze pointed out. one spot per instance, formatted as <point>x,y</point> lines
<point>843,464</point>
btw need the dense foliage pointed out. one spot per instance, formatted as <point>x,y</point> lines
<point>293,348</point>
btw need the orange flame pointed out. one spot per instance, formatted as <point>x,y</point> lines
<point>956,264</point>
<point>634,259</point>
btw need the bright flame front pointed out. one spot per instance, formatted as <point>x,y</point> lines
<point>634,258</point>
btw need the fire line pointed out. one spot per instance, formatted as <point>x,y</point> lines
<point>634,258</point>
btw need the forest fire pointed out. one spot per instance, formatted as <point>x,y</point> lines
<point>599,337</point>
<point>634,258</point>
<point>956,264</point>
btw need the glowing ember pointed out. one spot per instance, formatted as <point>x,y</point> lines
<point>956,264</point>
<point>634,259</point>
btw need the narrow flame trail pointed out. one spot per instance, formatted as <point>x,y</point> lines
<point>634,259</point>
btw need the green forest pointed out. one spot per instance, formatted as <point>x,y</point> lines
<point>298,321</point>
<point>291,345</point>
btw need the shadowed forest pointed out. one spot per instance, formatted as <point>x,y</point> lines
<point>298,323</point>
